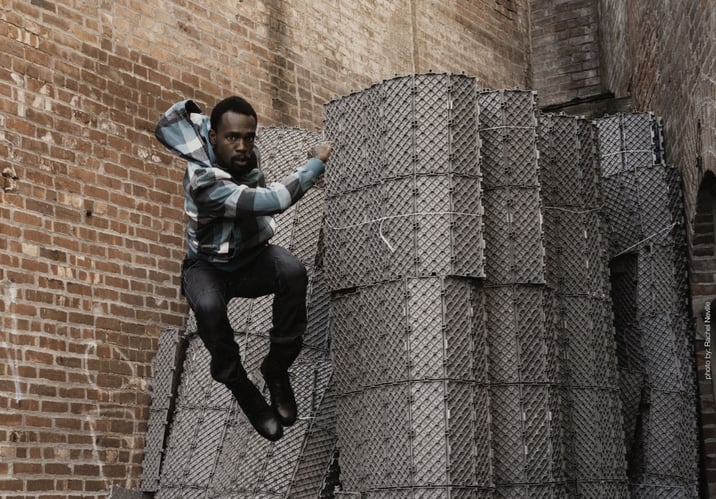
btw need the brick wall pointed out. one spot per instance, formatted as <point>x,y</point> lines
<point>565,50</point>
<point>91,227</point>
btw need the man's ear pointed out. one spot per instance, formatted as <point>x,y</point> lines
<point>212,137</point>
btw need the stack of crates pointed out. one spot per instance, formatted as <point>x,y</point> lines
<point>403,251</point>
<point>525,438</point>
<point>453,376</point>
<point>644,207</point>
<point>579,323</point>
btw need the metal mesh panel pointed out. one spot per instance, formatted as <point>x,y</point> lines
<point>237,461</point>
<point>464,142</point>
<point>638,201</point>
<point>426,343</point>
<point>193,446</point>
<point>165,367</point>
<point>638,139</point>
<point>626,142</point>
<point>536,414</point>
<point>349,414</point>
<point>432,110</point>
<point>204,408</point>
<point>587,442</point>
<point>498,245</point>
<point>531,333</point>
<point>509,157</point>
<point>506,429</point>
<point>560,174</point>
<point>398,128</point>
<point>466,426</point>
<point>318,308</point>
<point>346,330</point>
<point>656,290</point>
<point>528,266</point>
<point>386,327</point>
<point>590,168</point>
<point>503,364</point>
<point>579,338</point>
<point>307,225</point>
<point>318,450</point>
<point>621,212</point>
<point>461,324</point>
<point>283,149</point>
<point>654,203</point>
<point>668,437</point>
<point>663,367</point>
<point>630,390</point>
<point>514,252</point>
<point>508,139</point>
<point>396,426</point>
<point>153,450</point>
<point>394,250</point>
<point>432,231</point>
<point>553,337</point>
<point>429,446</point>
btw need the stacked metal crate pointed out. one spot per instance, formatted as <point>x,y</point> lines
<point>526,440</point>
<point>579,321</point>
<point>403,244</point>
<point>211,450</point>
<point>649,285</point>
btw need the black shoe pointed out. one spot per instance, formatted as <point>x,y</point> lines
<point>282,399</point>
<point>257,411</point>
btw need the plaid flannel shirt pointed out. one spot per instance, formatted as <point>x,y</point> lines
<point>229,218</point>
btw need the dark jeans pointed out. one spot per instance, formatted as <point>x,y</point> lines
<point>208,291</point>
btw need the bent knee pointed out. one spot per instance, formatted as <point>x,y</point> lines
<point>293,273</point>
<point>208,305</point>
<point>296,275</point>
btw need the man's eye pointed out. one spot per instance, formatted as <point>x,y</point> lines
<point>235,137</point>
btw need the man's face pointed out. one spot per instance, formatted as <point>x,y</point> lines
<point>233,141</point>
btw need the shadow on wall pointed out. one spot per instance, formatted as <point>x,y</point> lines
<point>703,263</point>
<point>703,293</point>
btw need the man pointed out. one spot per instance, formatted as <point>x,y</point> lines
<point>229,210</point>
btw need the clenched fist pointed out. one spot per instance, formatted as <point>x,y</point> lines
<point>321,151</point>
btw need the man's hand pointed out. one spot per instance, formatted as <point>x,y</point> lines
<point>322,151</point>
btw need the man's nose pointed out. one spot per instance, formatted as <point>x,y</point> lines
<point>242,145</point>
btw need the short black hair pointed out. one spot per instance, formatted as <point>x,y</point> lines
<point>233,103</point>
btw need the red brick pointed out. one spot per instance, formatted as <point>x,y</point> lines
<point>12,484</point>
<point>27,468</point>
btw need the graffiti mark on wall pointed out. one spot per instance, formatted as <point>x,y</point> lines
<point>12,352</point>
